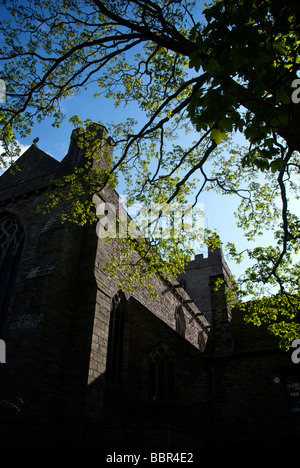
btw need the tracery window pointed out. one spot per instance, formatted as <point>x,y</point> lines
<point>11,246</point>
<point>116,339</point>
<point>161,375</point>
<point>180,321</point>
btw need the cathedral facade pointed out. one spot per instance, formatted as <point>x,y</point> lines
<point>88,365</point>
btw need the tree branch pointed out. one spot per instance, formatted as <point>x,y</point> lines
<point>284,218</point>
<point>181,45</point>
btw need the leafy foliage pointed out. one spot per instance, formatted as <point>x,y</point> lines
<point>229,70</point>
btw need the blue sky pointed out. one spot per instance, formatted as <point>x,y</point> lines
<point>219,210</point>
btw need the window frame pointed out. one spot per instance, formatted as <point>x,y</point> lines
<point>180,323</point>
<point>12,238</point>
<point>161,375</point>
<point>115,344</point>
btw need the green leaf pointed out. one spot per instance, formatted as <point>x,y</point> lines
<point>277,165</point>
<point>218,136</point>
<point>195,61</point>
<point>282,96</point>
<point>211,66</point>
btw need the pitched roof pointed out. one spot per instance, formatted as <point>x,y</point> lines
<point>32,171</point>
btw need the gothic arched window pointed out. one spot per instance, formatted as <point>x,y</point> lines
<point>180,321</point>
<point>11,246</point>
<point>161,375</point>
<point>201,341</point>
<point>116,338</point>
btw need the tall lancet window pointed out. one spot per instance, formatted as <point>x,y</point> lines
<point>161,375</point>
<point>11,246</point>
<point>180,321</point>
<point>116,339</point>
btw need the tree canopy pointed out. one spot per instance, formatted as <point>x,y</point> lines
<point>230,66</point>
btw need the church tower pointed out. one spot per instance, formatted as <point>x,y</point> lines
<point>199,281</point>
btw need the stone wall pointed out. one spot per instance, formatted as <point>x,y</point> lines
<point>58,322</point>
<point>53,387</point>
<point>196,278</point>
<point>128,414</point>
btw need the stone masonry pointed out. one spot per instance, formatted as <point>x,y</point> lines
<point>213,388</point>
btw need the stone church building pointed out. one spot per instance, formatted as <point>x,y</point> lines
<point>90,366</point>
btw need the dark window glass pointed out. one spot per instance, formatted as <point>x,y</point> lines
<point>180,321</point>
<point>116,339</point>
<point>11,246</point>
<point>161,375</point>
<point>201,341</point>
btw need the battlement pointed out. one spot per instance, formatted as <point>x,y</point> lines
<point>197,276</point>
